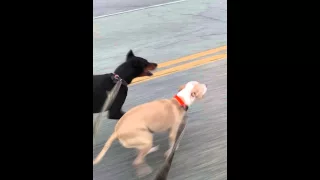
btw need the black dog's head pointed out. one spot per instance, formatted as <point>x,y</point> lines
<point>135,67</point>
<point>141,65</point>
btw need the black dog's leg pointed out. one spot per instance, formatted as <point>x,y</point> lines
<point>115,111</point>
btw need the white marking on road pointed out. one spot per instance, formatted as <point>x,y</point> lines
<point>138,9</point>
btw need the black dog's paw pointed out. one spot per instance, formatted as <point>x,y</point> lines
<point>116,116</point>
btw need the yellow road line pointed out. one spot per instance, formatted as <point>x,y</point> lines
<point>193,56</point>
<point>180,68</point>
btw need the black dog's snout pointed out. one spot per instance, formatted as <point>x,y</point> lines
<point>155,64</point>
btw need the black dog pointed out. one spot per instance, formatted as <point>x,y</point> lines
<point>133,67</point>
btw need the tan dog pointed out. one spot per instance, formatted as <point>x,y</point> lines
<point>135,129</point>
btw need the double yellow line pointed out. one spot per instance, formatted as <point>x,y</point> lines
<point>203,60</point>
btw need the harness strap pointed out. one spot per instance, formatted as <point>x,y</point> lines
<point>115,78</point>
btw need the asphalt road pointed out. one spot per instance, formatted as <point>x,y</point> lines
<point>103,7</point>
<point>161,34</point>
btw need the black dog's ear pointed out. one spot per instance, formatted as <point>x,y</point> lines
<point>130,55</point>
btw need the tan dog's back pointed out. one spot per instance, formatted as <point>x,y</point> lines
<point>157,116</point>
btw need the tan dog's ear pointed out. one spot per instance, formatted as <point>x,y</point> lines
<point>181,87</point>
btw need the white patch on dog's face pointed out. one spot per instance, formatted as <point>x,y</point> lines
<point>191,91</point>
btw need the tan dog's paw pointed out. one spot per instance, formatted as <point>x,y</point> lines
<point>143,170</point>
<point>137,162</point>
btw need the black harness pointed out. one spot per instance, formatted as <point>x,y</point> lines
<point>115,78</point>
<point>185,107</point>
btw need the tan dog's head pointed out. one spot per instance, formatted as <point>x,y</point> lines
<point>191,91</point>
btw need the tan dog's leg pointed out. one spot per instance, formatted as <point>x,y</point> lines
<point>143,143</point>
<point>172,139</point>
<point>142,168</point>
<point>153,149</point>
<point>142,153</point>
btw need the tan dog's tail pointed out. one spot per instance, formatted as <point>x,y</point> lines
<point>105,148</point>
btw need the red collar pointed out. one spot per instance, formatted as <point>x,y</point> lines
<point>182,104</point>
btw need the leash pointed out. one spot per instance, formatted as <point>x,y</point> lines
<point>164,171</point>
<point>108,102</point>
